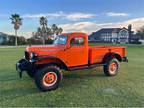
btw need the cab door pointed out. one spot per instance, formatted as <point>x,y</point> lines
<point>77,53</point>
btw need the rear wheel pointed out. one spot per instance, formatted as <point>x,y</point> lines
<point>112,67</point>
<point>48,78</point>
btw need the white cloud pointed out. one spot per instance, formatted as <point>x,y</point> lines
<point>25,34</point>
<point>115,14</point>
<point>89,27</point>
<point>54,15</point>
<point>78,15</point>
<point>75,16</point>
<point>80,26</point>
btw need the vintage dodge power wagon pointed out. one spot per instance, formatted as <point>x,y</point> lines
<point>70,51</point>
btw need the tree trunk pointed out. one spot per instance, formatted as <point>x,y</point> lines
<point>43,41</point>
<point>16,38</point>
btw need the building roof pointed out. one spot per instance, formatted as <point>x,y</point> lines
<point>109,30</point>
<point>106,30</point>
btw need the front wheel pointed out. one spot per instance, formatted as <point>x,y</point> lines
<point>48,78</point>
<point>112,67</point>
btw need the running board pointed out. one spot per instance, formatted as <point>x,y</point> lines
<point>85,67</point>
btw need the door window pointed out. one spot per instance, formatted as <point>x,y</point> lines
<point>78,41</point>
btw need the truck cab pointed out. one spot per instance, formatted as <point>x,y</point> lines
<point>70,51</point>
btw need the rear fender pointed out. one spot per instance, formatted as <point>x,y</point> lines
<point>112,55</point>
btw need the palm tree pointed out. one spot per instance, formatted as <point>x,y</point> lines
<point>43,23</point>
<point>17,22</point>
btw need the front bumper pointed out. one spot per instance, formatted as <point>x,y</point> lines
<point>125,59</point>
<point>23,65</point>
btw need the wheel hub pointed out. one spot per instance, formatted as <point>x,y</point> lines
<point>113,67</point>
<point>49,79</point>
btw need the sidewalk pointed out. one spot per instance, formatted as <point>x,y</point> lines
<point>1,46</point>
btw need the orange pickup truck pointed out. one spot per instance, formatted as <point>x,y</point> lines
<point>70,51</point>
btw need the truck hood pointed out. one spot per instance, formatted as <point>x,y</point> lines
<point>45,50</point>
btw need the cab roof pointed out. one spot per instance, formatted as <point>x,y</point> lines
<point>74,33</point>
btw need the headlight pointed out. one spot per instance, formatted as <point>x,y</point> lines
<point>33,56</point>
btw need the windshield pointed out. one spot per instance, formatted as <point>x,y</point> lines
<point>60,40</point>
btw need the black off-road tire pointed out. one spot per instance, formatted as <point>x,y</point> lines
<point>40,75</point>
<point>108,63</point>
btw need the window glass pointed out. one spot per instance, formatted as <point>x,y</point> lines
<point>60,40</point>
<point>79,41</point>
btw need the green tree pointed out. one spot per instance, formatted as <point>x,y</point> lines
<point>22,40</point>
<point>16,20</point>
<point>60,30</point>
<point>56,30</point>
<point>38,34</point>
<point>33,41</point>
<point>49,32</point>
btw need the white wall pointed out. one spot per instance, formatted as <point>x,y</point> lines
<point>142,41</point>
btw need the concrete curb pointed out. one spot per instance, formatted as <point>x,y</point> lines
<point>12,46</point>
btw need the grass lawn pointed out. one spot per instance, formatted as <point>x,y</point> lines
<point>80,88</point>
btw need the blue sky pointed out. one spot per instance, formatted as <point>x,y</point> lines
<point>74,15</point>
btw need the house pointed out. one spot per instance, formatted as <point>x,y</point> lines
<point>3,38</point>
<point>142,41</point>
<point>112,35</point>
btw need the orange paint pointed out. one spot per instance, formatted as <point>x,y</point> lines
<point>74,55</point>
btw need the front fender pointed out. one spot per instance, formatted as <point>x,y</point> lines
<point>53,60</point>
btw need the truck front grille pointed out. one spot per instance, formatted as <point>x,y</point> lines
<point>27,55</point>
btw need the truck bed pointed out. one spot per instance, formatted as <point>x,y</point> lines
<point>97,53</point>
